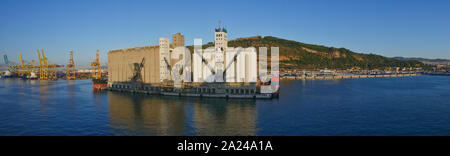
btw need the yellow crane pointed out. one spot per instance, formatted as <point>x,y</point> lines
<point>43,70</point>
<point>51,73</point>
<point>22,69</point>
<point>21,61</point>
<point>70,71</point>
<point>96,69</point>
<point>47,71</point>
<point>26,68</point>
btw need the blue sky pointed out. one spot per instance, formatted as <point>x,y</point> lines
<point>411,28</point>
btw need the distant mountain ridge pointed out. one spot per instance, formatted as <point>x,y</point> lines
<point>297,55</point>
<point>425,60</point>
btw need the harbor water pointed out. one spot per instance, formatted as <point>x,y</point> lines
<point>418,105</point>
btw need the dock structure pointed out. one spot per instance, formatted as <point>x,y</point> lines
<point>345,77</point>
<point>192,89</point>
<point>165,69</point>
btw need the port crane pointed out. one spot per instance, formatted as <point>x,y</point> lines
<point>12,67</point>
<point>47,71</point>
<point>137,75</point>
<point>26,68</point>
<point>22,69</point>
<point>43,67</point>
<point>70,70</point>
<point>96,68</point>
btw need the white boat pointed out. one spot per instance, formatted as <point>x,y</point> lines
<point>32,76</point>
<point>7,74</point>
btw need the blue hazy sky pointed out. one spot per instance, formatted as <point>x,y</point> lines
<point>411,28</point>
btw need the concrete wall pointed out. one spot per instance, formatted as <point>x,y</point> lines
<point>120,64</point>
<point>197,65</point>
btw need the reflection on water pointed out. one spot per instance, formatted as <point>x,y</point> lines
<point>156,115</point>
<point>225,117</point>
<point>378,106</point>
<point>138,115</point>
<point>73,108</point>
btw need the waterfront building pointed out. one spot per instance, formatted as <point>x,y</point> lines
<point>164,59</point>
<point>221,39</point>
<point>220,45</point>
<point>167,67</point>
<point>121,64</point>
<point>155,68</point>
<point>177,40</point>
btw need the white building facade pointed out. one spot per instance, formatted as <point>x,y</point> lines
<point>164,59</point>
<point>222,63</point>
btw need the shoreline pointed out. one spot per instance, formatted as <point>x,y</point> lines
<point>345,77</point>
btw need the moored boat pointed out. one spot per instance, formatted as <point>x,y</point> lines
<point>97,83</point>
<point>32,76</point>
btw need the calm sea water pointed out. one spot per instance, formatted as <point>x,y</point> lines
<point>379,106</point>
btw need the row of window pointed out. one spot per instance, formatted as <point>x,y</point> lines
<point>205,90</point>
<point>240,91</point>
<point>139,88</point>
<point>121,86</point>
<point>228,91</point>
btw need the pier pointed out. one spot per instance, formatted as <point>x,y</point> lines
<point>184,94</point>
<point>344,77</point>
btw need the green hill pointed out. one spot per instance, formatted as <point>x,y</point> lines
<point>297,55</point>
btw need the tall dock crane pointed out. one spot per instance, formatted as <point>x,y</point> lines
<point>26,68</point>
<point>12,67</point>
<point>21,61</point>
<point>21,71</point>
<point>96,69</point>
<point>43,68</point>
<point>47,71</point>
<point>70,70</point>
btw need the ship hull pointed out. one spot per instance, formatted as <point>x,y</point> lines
<point>98,83</point>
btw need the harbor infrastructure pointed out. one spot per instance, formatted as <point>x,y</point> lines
<point>349,76</point>
<point>169,69</point>
<point>43,69</point>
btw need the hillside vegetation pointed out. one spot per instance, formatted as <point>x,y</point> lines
<point>297,55</point>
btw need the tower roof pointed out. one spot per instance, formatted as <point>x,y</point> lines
<point>220,29</point>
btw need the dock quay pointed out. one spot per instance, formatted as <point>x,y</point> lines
<point>201,90</point>
<point>168,69</point>
<point>344,77</point>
